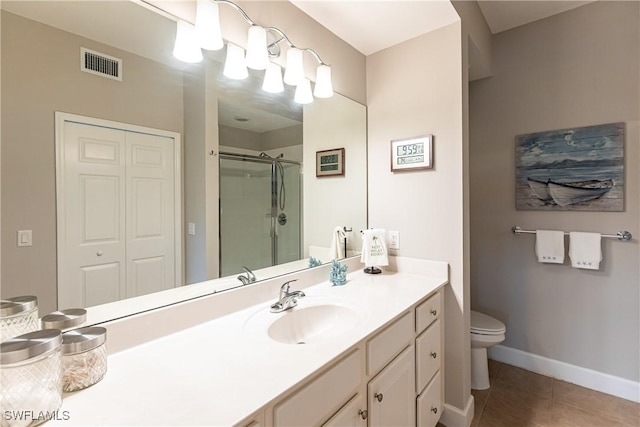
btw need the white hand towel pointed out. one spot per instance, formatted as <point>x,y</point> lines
<point>374,248</point>
<point>550,246</point>
<point>585,250</point>
<point>336,251</point>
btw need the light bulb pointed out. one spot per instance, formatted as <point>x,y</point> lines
<point>187,48</point>
<point>257,54</point>
<point>303,92</point>
<point>294,71</point>
<point>324,87</point>
<point>208,25</point>
<point>273,79</point>
<point>234,65</point>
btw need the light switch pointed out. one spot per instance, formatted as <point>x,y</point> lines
<point>191,228</point>
<point>394,240</point>
<point>24,238</point>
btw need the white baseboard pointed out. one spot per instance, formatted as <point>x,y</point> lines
<point>456,417</point>
<point>584,377</point>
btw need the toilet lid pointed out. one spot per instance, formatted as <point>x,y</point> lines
<point>484,324</point>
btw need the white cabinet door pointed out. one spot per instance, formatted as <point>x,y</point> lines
<point>391,394</point>
<point>353,414</point>
<point>322,397</point>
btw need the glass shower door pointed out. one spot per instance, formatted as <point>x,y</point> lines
<point>260,219</point>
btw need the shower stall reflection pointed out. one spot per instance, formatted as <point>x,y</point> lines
<point>260,211</point>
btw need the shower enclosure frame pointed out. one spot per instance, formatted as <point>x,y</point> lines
<point>274,196</point>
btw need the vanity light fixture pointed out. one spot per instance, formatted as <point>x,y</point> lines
<point>186,48</point>
<point>208,25</point>
<point>260,51</point>
<point>272,82</point>
<point>235,66</point>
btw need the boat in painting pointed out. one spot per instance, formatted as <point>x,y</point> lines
<point>540,189</point>
<point>569,193</point>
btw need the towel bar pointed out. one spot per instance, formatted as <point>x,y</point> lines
<point>623,236</point>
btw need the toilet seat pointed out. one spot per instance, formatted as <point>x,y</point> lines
<point>482,324</point>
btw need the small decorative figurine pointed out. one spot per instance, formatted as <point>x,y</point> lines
<point>338,275</point>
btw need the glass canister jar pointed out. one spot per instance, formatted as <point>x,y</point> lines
<point>84,357</point>
<point>18,315</point>
<point>31,378</point>
<point>64,319</point>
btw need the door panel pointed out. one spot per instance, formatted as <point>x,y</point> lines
<point>150,214</point>
<point>97,283</point>
<point>94,230</point>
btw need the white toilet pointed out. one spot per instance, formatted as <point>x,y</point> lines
<point>485,332</point>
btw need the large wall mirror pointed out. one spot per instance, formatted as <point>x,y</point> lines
<point>239,190</point>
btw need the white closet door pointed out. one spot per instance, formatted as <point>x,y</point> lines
<point>150,214</point>
<point>94,227</point>
<point>117,217</point>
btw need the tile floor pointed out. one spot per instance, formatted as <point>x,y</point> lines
<point>519,398</point>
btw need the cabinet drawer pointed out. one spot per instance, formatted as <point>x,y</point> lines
<point>323,396</point>
<point>428,355</point>
<point>382,348</point>
<point>429,404</point>
<point>428,311</point>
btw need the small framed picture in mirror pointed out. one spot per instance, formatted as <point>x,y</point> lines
<point>330,162</point>
<point>412,153</point>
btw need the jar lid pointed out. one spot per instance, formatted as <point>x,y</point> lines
<point>28,346</point>
<point>64,319</point>
<point>15,305</point>
<point>83,339</point>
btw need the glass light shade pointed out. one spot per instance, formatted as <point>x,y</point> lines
<point>187,48</point>
<point>257,54</point>
<point>208,25</point>
<point>303,92</point>
<point>294,71</point>
<point>234,65</point>
<point>324,87</point>
<point>273,79</point>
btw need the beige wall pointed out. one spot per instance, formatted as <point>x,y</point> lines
<point>45,77</point>
<point>575,69</point>
<point>416,88</point>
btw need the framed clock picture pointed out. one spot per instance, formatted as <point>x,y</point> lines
<point>412,153</point>
<point>330,162</point>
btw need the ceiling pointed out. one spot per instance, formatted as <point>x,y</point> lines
<point>505,15</point>
<point>372,25</point>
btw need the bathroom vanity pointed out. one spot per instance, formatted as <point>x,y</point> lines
<point>368,353</point>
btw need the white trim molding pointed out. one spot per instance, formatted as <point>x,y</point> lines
<point>599,381</point>
<point>456,417</point>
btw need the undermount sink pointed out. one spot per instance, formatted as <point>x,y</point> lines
<point>311,321</point>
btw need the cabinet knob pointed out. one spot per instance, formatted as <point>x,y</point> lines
<point>99,253</point>
<point>378,396</point>
<point>434,312</point>
<point>363,413</point>
<point>434,354</point>
<point>434,409</point>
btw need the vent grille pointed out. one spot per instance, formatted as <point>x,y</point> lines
<point>100,64</point>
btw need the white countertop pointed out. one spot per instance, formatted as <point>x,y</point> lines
<point>219,373</point>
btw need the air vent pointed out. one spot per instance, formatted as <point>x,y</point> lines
<point>100,64</point>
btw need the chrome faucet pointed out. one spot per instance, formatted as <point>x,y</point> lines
<point>287,299</point>
<point>249,278</point>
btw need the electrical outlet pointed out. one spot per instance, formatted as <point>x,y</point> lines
<point>191,229</point>
<point>394,240</point>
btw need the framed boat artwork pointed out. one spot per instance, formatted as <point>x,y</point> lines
<point>579,169</point>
